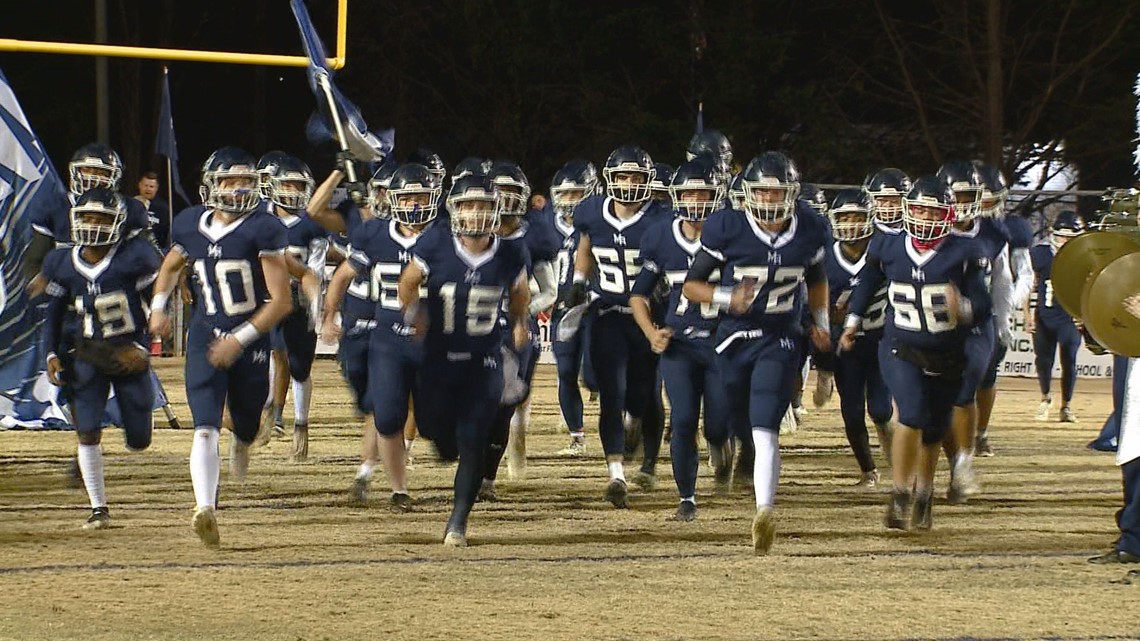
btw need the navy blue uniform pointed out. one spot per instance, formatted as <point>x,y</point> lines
<point>1054,326</point>
<point>759,350</point>
<point>391,358</point>
<point>625,366</point>
<point>571,356</point>
<point>921,354</point>
<point>981,343</point>
<point>57,223</point>
<point>229,286</point>
<point>308,243</point>
<point>107,299</point>
<point>461,380</point>
<point>858,378</point>
<point>689,365</point>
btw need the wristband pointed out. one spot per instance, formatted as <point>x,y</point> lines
<point>410,313</point>
<point>159,301</point>
<point>722,296</point>
<point>821,319</point>
<point>246,334</point>
<point>579,277</point>
<point>852,322</point>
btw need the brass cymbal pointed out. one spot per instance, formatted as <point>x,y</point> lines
<point>1103,304</point>
<point>1082,256</point>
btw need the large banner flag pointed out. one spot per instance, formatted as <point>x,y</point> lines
<point>164,143</point>
<point>29,186</point>
<point>324,124</point>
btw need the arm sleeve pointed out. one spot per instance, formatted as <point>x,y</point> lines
<point>974,289</point>
<point>53,315</point>
<point>1001,287</point>
<point>815,273</point>
<point>547,282</point>
<point>704,264</point>
<point>1022,275</point>
<point>34,258</point>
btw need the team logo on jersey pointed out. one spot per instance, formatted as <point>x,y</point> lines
<point>490,363</point>
<point>214,251</point>
<point>854,282</point>
<point>472,277</point>
<point>94,289</point>
<point>786,343</point>
<point>774,258</point>
<point>260,356</point>
<point>404,256</point>
<point>917,275</point>
<point>619,239</point>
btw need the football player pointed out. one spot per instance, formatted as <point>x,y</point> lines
<point>764,255</point>
<point>542,244</point>
<point>686,339</point>
<point>608,260</point>
<point>468,270</point>
<point>289,188</point>
<point>1051,325</point>
<point>857,375</point>
<point>102,277</point>
<point>887,188</point>
<point>966,183</point>
<point>935,289</point>
<point>381,248</point>
<point>241,292</point>
<point>573,183</point>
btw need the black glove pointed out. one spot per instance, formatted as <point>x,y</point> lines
<point>357,192</point>
<point>343,158</point>
<point>575,295</point>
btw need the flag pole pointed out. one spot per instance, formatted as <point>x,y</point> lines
<point>179,307</point>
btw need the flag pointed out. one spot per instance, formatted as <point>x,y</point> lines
<point>29,188</point>
<point>165,144</point>
<point>362,144</point>
<point>700,117</point>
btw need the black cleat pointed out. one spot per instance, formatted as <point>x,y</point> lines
<point>686,511</point>
<point>487,493</point>
<point>982,445</point>
<point>100,519</point>
<point>922,518</point>
<point>1115,556</point>
<point>898,511</point>
<point>358,495</point>
<point>400,502</point>
<point>618,494</point>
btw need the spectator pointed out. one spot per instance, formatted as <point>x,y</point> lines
<point>538,202</point>
<point>157,209</point>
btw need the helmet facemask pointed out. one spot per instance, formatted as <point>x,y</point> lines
<point>850,223</point>
<point>770,201</point>
<point>475,212</point>
<point>96,224</point>
<point>235,190</point>
<point>695,202</point>
<point>413,204</point>
<point>927,219</point>
<point>92,173</point>
<point>291,191</point>
<point>629,183</point>
<point>565,197</point>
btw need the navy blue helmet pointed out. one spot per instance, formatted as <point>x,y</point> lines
<point>888,187</point>
<point>413,194</point>
<point>94,165</point>
<point>736,192</point>
<point>814,197</point>
<point>431,160</point>
<point>267,160</point>
<point>378,188</point>
<point>662,178</point>
<point>97,218</point>
<point>231,182</point>
<point>966,183</point>
<point>514,188</point>
<point>766,174</point>
<point>474,206</point>
<point>696,190</point>
<point>575,181</point>
<point>995,190</point>
<point>289,183</point>
<point>928,210</point>
<point>710,141</point>
<point>629,174</point>
<point>850,215</point>
<point>470,165</point>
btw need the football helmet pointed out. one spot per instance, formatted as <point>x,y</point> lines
<point>966,183</point>
<point>470,165</point>
<point>928,209</point>
<point>413,194</point>
<point>850,215</point>
<point>629,174</point>
<point>514,188</point>
<point>710,141</point>
<point>815,197</point>
<point>574,182</point>
<point>1066,225</point>
<point>736,192</point>
<point>995,190</point>
<point>231,181</point>
<point>474,206</point>
<point>767,173</point>
<point>887,188</point>
<point>267,160</point>
<point>94,165</point>
<point>378,189</point>
<point>431,160</point>
<point>289,183</point>
<point>97,218</point>
<point>696,191</point>
<point>662,178</point>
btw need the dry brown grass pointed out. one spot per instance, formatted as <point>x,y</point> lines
<point>552,560</point>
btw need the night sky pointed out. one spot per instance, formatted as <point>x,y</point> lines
<point>541,82</point>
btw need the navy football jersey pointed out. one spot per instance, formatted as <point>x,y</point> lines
<point>568,249</point>
<point>1049,311</point>
<point>465,292</point>
<point>56,223</point>
<point>918,286</point>
<point>1020,232</point>
<point>776,262</point>
<point>306,241</point>
<point>615,244</point>
<point>667,254</point>
<point>225,260</point>
<point>843,276</point>
<point>991,236</point>
<point>379,254</point>
<point>106,296</point>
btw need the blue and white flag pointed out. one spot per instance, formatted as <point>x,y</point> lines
<point>165,144</point>
<point>29,186</point>
<point>364,145</point>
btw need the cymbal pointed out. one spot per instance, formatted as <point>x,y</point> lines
<point>1103,304</point>
<point>1083,255</point>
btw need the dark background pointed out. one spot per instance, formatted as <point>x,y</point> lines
<point>842,86</point>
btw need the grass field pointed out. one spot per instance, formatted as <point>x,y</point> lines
<point>552,560</point>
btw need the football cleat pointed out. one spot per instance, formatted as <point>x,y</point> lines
<point>763,531</point>
<point>982,445</point>
<point>577,446</point>
<point>358,495</point>
<point>455,539</point>
<point>824,388</point>
<point>898,511</point>
<point>686,511</point>
<point>868,479</point>
<point>300,452</point>
<point>645,480</point>
<point>1043,409</point>
<point>922,518</point>
<point>400,502</point>
<point>100,519</point>
<point>618,494</point>
<point>239,459</point>
<point>487,492</point>
<point>206,526</point>
<point>1067,415</point>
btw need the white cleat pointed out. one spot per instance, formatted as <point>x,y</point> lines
<point>206,526</point>
<point>824,388</point>
<point>789,425</point>
<point>239,459</point>
<point>454,540</point>
<point>1043,409</point>
<point>763,531</point>
<point>300,452</point>
<point>577,446</point>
